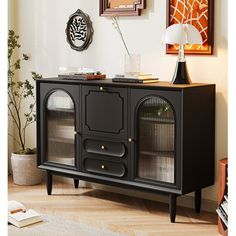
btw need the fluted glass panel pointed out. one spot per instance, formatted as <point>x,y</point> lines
<point>156,149</point>
<point>60,128</point>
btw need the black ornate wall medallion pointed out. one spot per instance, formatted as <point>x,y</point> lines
<point>79,31</point>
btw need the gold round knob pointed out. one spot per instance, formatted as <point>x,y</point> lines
<point>103,167</point>
<point>102,147</point>
<point>101,88</point>
<point>130,140</point>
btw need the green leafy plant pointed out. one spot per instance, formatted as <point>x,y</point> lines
<point>159,111</point>
<point>17,92</point>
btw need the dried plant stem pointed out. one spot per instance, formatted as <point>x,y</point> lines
<point>117,27</point>
<point>14,139</point>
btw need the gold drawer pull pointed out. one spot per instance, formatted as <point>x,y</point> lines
<point>103,147</point>
<point>103,167</point>
<point>130,140</point>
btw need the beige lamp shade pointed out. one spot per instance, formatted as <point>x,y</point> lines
<point>182,34</point>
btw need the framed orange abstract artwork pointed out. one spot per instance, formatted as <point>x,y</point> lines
<point>199,13</point>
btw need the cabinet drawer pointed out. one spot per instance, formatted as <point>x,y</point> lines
<point>110,168</point>
<point>113,149</point>
<point>104,111</point>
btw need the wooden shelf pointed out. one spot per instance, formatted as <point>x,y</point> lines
<point>160,153</point>
<point>158,120</point>
<point>67,110</point>
<point>222,189</point>
<point>61,140</point>
<point>70,161</point>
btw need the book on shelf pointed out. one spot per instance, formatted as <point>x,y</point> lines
<point>159,168</point>
<point>61,130</point>
<point>224,206</point>
<point>82,76</point>
<point>62,160</point>
<point>19,216</point>
<point>223,216</point>
<point>226,197</point>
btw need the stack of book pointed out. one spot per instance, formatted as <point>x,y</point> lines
<point>19,216</point>
<point>82,76</point>
<point>142,78</point>
<point>222,210</point>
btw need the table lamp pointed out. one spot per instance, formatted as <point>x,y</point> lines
<point>181,34</point>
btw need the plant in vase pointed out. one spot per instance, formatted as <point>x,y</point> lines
<point>24,166</point>
<point>161,110</point>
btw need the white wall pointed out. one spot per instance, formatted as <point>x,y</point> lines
<point>41,26</point>
<point>11,25</point>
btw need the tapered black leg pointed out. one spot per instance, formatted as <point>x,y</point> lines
<point>198,200</point>
<point>49,183</point>
<point>172,207</point>
<point>76,183</point>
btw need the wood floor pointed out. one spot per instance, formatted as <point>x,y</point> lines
<point>128,215</point>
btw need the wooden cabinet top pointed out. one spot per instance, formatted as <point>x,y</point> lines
<point>108,82</point>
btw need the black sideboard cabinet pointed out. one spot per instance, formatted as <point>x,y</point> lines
<point>151,137</point>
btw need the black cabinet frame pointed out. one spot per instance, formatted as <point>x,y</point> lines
<point>194,109</point>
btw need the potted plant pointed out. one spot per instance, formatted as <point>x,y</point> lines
<point>24,165</point>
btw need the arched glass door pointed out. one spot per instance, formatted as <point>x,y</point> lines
<point>156,140</point>
<point>60,118</point>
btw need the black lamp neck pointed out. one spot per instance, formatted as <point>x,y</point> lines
<point>181,75</point>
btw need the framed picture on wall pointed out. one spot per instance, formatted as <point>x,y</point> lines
<point>199,13</point>
<point>121,7</point>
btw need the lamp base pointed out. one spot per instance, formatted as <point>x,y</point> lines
<point>181,75</point>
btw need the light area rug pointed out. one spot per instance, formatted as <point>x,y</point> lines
<point>59,227</point>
